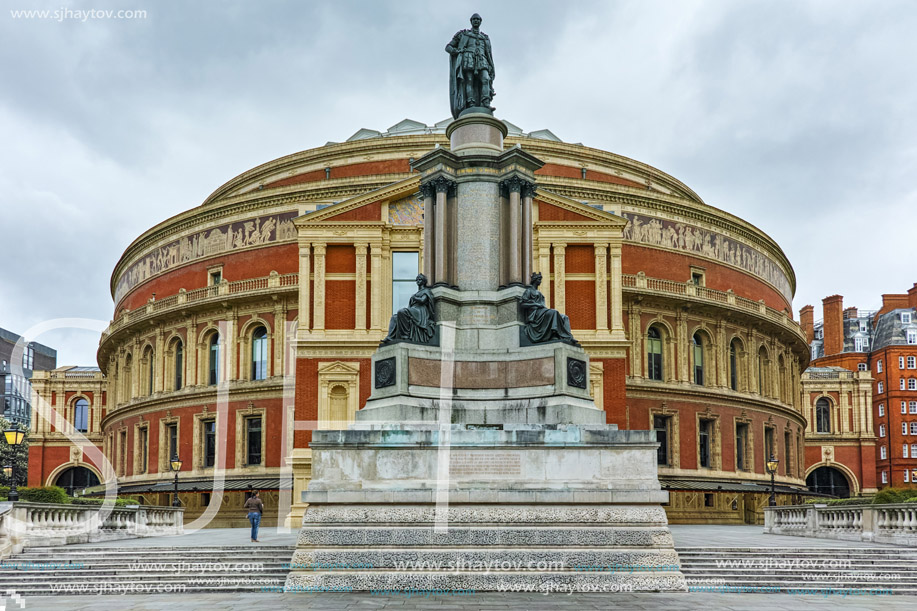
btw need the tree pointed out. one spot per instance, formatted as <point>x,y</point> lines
<point>17,456</point>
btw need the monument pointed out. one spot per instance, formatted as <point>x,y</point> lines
<point>480,461</point>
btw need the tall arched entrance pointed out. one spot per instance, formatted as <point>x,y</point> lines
<point>828,480</point>
<point>76,478</point>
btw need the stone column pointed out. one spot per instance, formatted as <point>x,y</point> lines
<point>159,362</point>
<point>617,299</point>
<point>544,258</point>
<point>278,337</point>
<point>360,305</point>
<point>318,317</point>
<point>440,269</point>
<point>429,242</point>
<point>376,284</point>
<point>682,343</point>
<point>513,262</point>
<point>722,351</point>
<point>528,195</point>
<point>601,287</point>
<point>305,290</point>
<point>560,278</point>
<point>636,341</point>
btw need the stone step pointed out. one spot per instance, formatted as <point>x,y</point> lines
<point>463,535</point>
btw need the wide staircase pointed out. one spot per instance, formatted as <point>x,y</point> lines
<point>75,570</point>
<point>800,570</point>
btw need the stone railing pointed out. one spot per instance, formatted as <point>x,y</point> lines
<point>895,524</point>
<point>44,524</point>
<point>642,283</point>
<point>250,286</point>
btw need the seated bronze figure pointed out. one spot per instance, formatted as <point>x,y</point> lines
<point>542,324</point>
<point>415,324</point>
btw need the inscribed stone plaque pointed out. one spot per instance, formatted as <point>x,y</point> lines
<point>481,315</point>
<point>489,464</point>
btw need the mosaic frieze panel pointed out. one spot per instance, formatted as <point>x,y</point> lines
<point>406,211</point>
<point>224,238</point>
<point>710,244</point>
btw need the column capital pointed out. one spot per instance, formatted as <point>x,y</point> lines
<point>319,249</point>
<point>441,184</point>
<point>427,190</point>
<point>559,246</point>
<point>600,248</point>
<point>516,184</point>
<point>360,247</point>
<point>528,189</point>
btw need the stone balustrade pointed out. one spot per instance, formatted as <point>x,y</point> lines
<point>894,524</point>
<point>44,524</point>
<point>640,282</point>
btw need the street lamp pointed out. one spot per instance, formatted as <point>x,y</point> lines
<point>175,465</point>
<point>8,472</point>
<point>14,437</point>
<point>772,469</point>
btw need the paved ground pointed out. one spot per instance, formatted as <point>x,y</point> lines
<point>685,536</point>
<point>482,602</point>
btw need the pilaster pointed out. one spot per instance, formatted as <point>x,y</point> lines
<point>360,305</point>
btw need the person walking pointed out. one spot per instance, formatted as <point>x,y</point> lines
<point>255,508</point>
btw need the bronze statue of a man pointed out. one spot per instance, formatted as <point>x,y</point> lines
<point>471,69</point>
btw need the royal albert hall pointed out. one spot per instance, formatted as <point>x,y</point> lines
<point>249,320</point>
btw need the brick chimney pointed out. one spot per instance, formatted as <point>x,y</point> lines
<point>912,296</point>
<point>850,313</point>
<point>833,308</point>
<point>894,302</point>
<point>807,322</point>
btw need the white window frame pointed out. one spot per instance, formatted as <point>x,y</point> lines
<point>900,362</point>
<point>880,389</point>
<point>858,344</point>
<point>912,362</point>
<point>913,450</point>
<point>881,430</point>
<point>885,477</point>
<point>901,384</point>
<point>913,426</point>
<point>881,409</point>
<point>912,407</point>
<point>904,428</point>
<point>906,317</point>
<point>861,366</point>
<point>879,366</point>
<point>912,336</point>
<point>904,451</point>
<point>912,383</point>
<point>883,453</point>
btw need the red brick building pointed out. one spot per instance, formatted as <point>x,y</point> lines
<point>244,323</point>
<point>881,347</point>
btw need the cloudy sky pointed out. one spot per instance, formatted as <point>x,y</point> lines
<point>796,116</point>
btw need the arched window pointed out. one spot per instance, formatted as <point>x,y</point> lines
<point>214,361</point>
<point>81,415</point>
<point>259,354</point>
<point>76,478</point>
<point>654,354</point>
<point>179,357</point>
<point>734,365</point>
<point>698,346</point>
<point>823,416</point>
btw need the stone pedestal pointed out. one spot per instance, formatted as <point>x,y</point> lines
<point>480,460</point>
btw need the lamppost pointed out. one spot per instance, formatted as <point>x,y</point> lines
<point>175,465</point>
<point>772,469</point>
<point>14,437</point>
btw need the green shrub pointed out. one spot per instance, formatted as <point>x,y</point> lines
<point>892,495</point>
<point>44,494</point>
<point>4,490</point>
